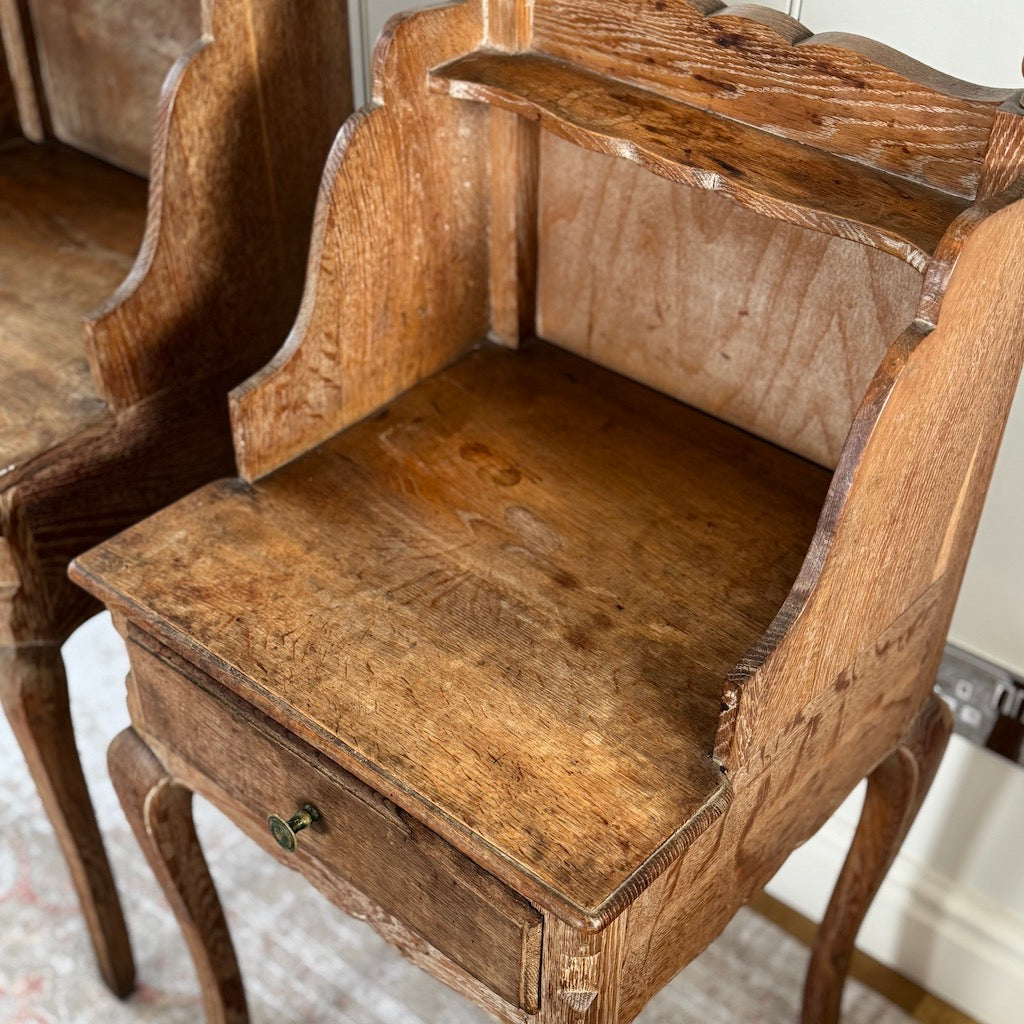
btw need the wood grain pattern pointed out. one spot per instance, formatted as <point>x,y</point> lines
<point>232,191</point>
<point>513,179</point>
<point>69,229</point>
<point>398,282</point>
<point>509,25</point>
<point>34,695</point>
<point>9,579</point>
<point>1004,159</point>
<point>695,297</point>
<point>896,789</point>
<point>531,603</point>
<point>72,470</point>
<point>685,143</point>
<point>160,814</point>
<point>464,524</point>
<point>335,887</point>
<point>102,64</point>
<point>414,875</point>
<point>580,974</point>
<point>513,227</point>
<point>88,488</point>
<point>840,94</point>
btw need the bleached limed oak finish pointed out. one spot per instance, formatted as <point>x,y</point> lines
<point>107,414</point>
<point>592,660</point>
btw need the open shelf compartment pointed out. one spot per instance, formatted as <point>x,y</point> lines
<point>773,175</point>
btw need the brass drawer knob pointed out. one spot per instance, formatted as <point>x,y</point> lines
<point>285,831</point>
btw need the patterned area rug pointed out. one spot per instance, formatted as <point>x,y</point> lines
<point>303,960</point>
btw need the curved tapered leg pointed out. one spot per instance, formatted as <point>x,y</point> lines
<point>34,693</point>
<point>160,813</point>
<point>896,790</point>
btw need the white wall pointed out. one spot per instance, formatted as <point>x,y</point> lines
<point>952,913</point>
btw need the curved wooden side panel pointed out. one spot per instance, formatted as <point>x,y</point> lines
<point>398,279</point>
<point>849,96</point>
<point>907,495</point>
<point>246,118</point>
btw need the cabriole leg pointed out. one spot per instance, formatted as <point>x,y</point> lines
<point>160,813</point>
<point>896,790</point>
<point>34,693</point>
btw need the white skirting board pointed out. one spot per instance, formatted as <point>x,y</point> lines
<point>961,942</point>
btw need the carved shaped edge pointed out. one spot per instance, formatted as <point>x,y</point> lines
<point>398,86</point>
<point>226,237</point>
<point>875,106</point>
<point>594,919</point>
<point>241,397</point>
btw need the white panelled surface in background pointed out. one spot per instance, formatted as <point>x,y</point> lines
<point>951,914</point>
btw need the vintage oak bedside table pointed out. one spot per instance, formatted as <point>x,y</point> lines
<point>246,118</point>
<point>595,533</point>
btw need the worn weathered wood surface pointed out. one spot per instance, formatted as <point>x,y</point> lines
<point>527,568</point>
<point>841,94</point>
<point>34,696</point>
<point>1004,158</point>
<point>398,281</point>
<point>207,301</point>
<point>932,386</point>
<point>709,294</point>
<point>780,800</point>
<point>160,814</point>
<point>895,791</point>
<point>69,229</point>
<point>245,125</point>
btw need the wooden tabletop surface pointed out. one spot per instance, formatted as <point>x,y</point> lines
<point>508,601</point>
<point>69,230</point>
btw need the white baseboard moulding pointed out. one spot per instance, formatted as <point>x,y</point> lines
<point>949,938</point>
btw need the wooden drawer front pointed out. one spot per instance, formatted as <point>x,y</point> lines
<point>406,869</point>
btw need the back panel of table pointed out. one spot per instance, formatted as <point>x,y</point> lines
<point>103,63</point>
<point>769,326</point>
